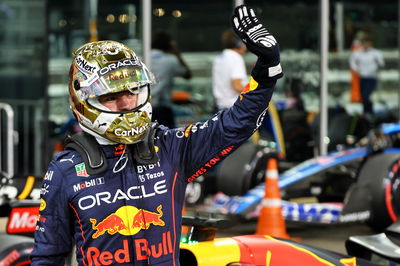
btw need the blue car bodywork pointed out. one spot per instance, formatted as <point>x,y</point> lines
<point>248,204</point>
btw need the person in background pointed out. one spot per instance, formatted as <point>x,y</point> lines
<point>118,190</point>
<point>355,91</point>
<point>366,63</point>
<point>229,71</point>
<point>166,63</point>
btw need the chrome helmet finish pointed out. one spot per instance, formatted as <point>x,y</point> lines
<point>104,68</point>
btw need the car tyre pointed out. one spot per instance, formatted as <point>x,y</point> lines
<point>374,174</point>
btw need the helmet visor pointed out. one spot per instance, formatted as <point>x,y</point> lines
<point>121,79</point>
<point>131,82</point>
<point>122,101</point>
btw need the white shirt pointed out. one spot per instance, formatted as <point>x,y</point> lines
<point>366,62</point>
<point>227,66</point>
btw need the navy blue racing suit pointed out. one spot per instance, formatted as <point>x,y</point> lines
<point>131,214</point>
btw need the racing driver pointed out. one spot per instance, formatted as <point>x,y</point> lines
<point>117,191</point>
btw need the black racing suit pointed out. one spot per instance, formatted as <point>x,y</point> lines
<point>131,214</point>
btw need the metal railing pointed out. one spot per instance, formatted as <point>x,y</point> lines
<point>25,153</point>
<point>7,140</point>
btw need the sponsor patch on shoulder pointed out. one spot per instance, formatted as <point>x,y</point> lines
<point>81,170</point>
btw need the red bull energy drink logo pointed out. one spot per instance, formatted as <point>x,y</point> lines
<point>127,220</point>
<point>118,150</point>
<point>143,251</point>
<point>251,86</point>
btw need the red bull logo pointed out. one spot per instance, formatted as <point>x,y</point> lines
<point>143,250</point>
<point>246,88</point>
<point>120,149</point>
<point>252,85</point>
<point>187,131</point>
<point>97,257</point>
<point>143,219</point>
<point>127,220</point>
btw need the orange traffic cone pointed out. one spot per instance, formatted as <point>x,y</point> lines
<point>270,221</point>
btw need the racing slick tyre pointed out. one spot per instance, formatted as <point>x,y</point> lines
<point>195,192</point>
<point>242,170</point>
<point>15,250</point>
<point>380,175</point>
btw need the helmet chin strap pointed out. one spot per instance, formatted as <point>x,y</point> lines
<point>144,151</point>
<point>123,157</point>
<point>101,140</point>
<point>89,148</point>
<point>104,141</point>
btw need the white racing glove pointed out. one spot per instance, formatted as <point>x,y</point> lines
<point>258,41</point>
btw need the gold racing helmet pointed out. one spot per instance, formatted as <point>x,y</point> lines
<point>104,68</point>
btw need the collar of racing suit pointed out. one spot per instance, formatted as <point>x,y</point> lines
<point>95,159</point>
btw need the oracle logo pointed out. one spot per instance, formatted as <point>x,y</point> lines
<point>22,220</point>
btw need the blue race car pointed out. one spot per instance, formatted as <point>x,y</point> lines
<point>355,184</point>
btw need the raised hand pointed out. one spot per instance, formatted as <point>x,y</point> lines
<point>258,40</point>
